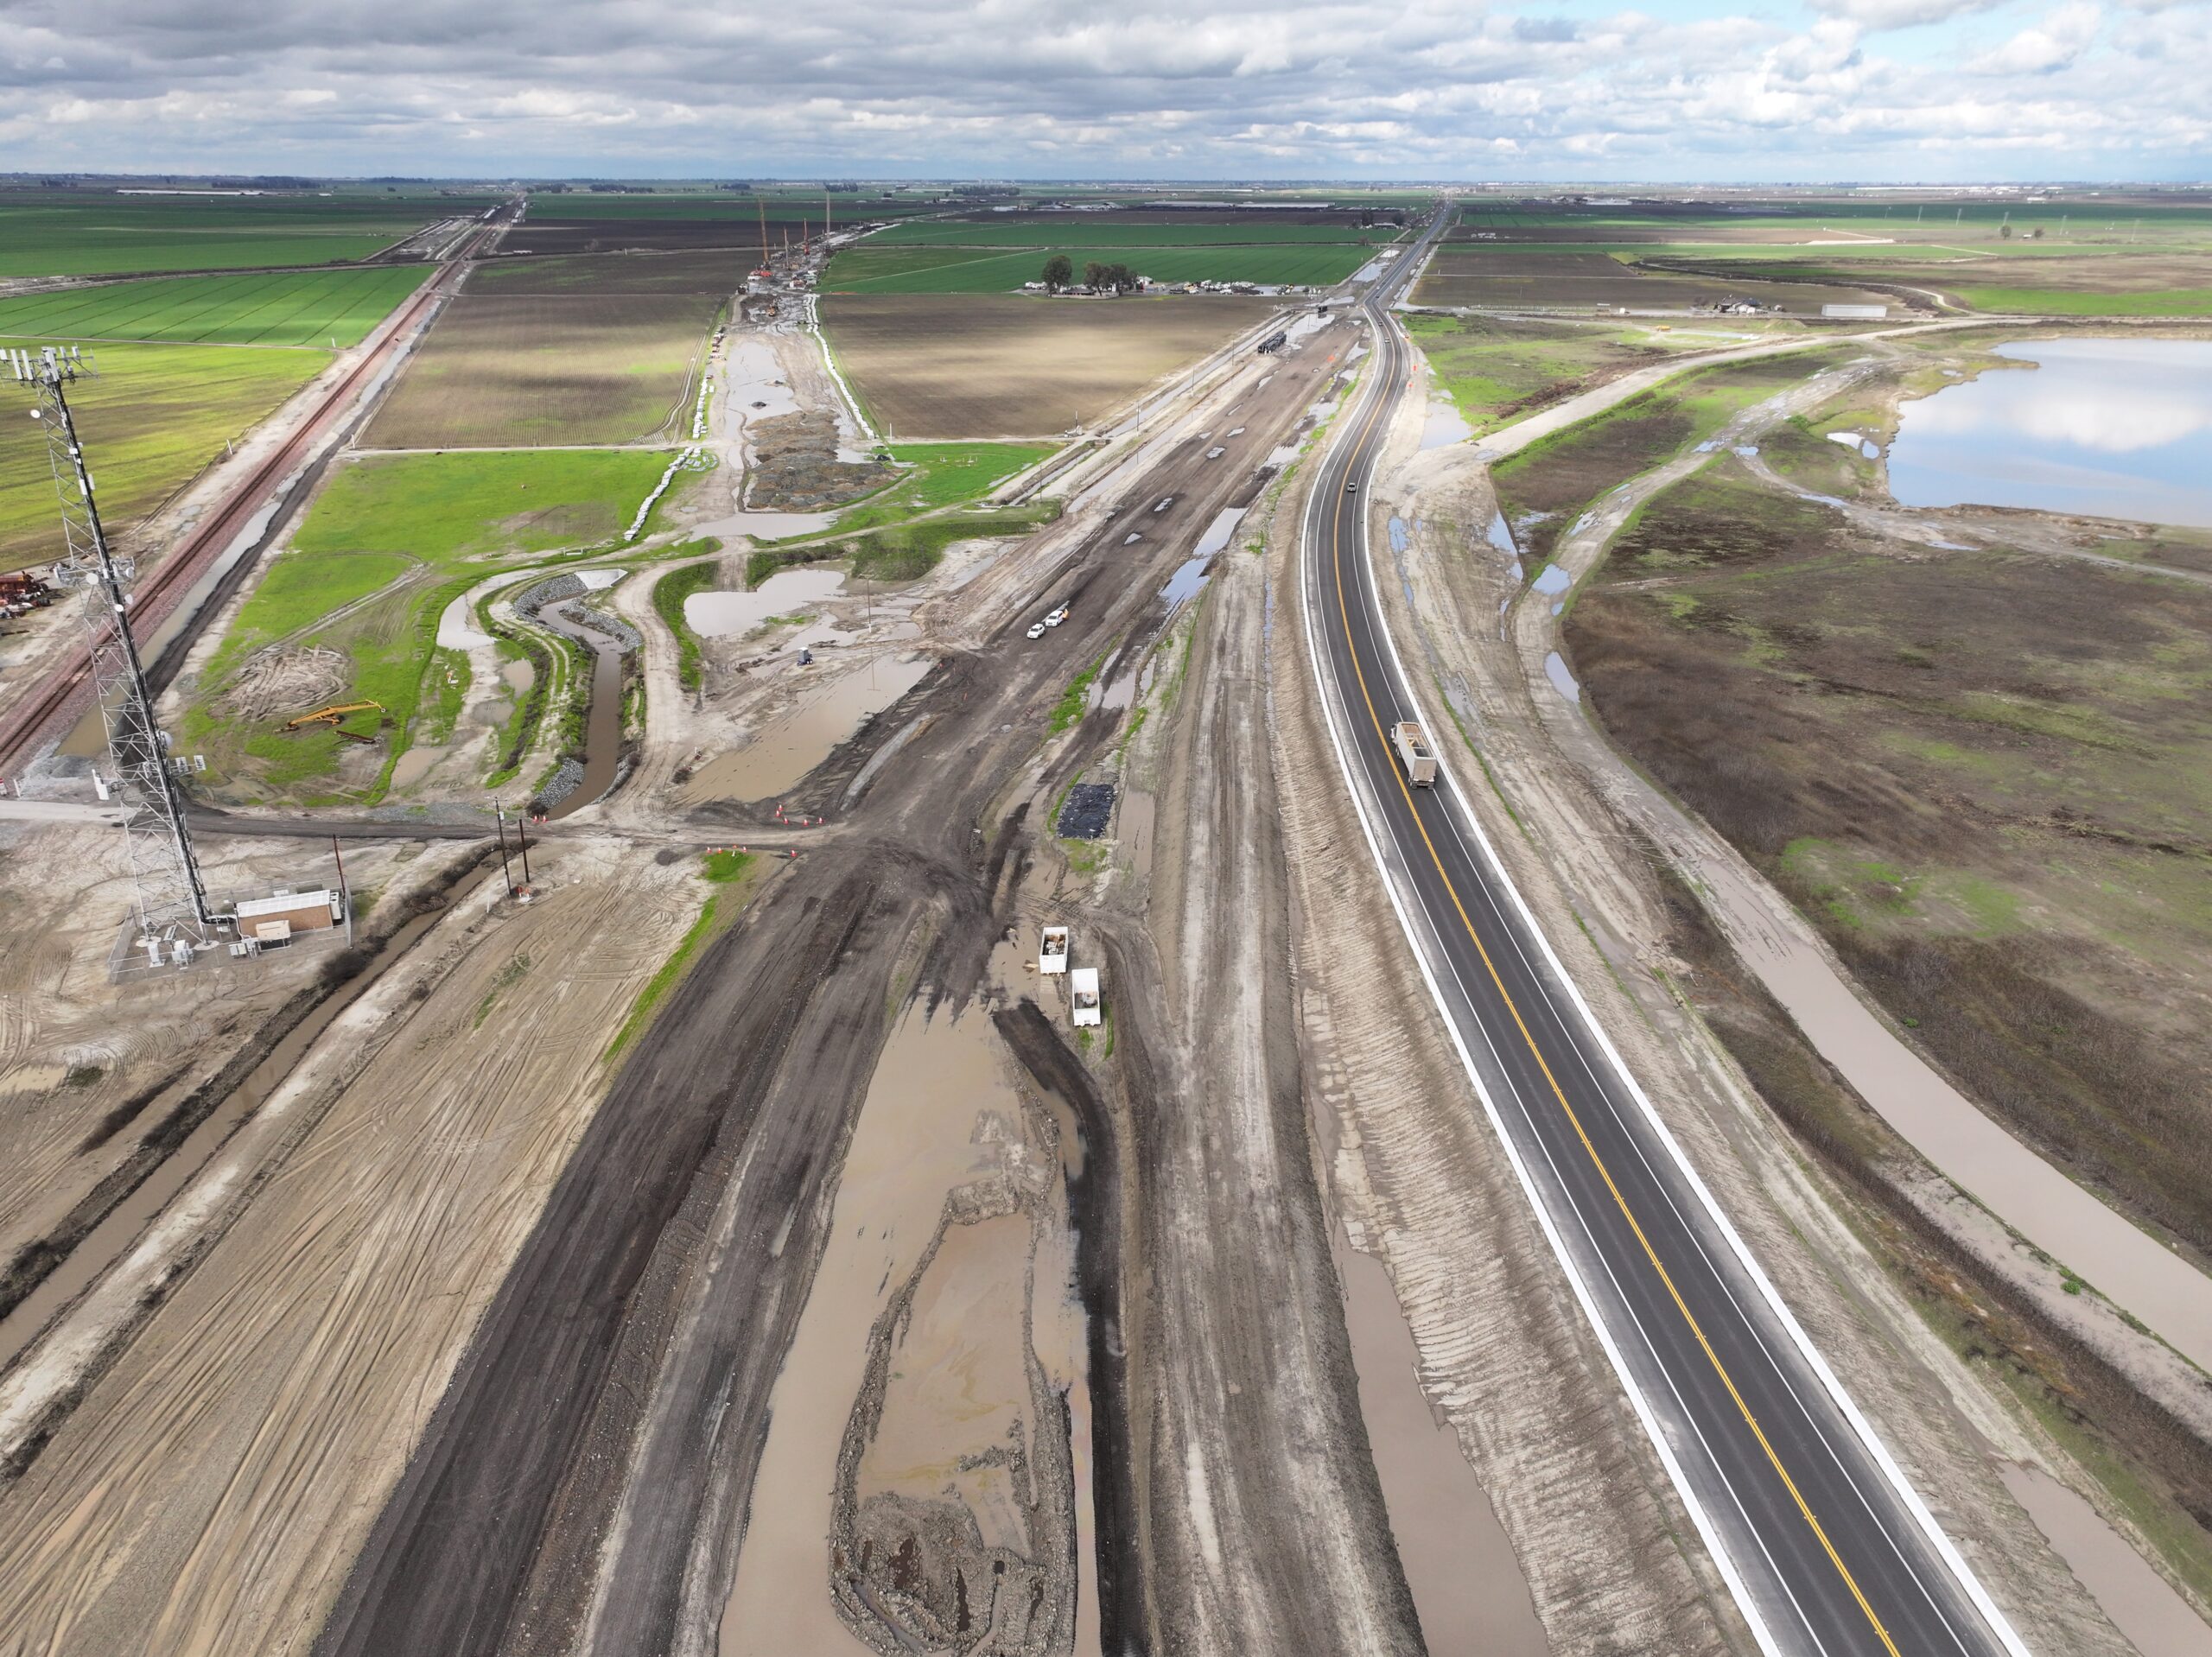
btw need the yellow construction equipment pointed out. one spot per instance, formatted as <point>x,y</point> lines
<point>331,714</point>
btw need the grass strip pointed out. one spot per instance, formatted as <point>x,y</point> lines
<point>722,868</point>
<point>1076,697</point>
<point>670,592</point>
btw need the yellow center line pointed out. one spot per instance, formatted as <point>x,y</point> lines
<point>1336,548</point>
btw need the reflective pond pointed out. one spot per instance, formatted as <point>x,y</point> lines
<point>2103,427</point>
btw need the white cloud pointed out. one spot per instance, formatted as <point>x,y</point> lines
<point>1425,88</point>
<point>2054,44</point>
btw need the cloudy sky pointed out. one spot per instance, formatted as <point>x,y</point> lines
<point>1950,89</point>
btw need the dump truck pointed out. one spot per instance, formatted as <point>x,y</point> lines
<point>1414,753</point>
<point>1052,955</point>
<point>1082,988</point>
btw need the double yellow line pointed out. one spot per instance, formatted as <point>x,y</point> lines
<point>1344,610</point>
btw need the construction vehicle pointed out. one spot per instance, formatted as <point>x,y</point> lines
<point>1082,988</point>
<point>331,714</point>
<point>1414,751</point>
<point>1052,955</point>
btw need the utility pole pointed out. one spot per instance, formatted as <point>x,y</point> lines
<point>170,896</point>
<point>505,870</point>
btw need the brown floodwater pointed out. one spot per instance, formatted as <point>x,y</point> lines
<point>2141,1603</point>
<point>785,750</point>
<point>1466,1581</point>
<point>603,724</point>
<point>941,1111</point>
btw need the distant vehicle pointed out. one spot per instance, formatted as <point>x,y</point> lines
<point>1053,953</point>
<point>806,658</point>
<point>1036,630</point>
<point>1082,988</point>
<point>1057,616</point>
<point>1350,488</point>
<point>1414,753</point>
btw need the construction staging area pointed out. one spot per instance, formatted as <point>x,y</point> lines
<point>772,1037</point>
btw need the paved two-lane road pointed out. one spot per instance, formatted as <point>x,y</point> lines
<point>1825,1548</point>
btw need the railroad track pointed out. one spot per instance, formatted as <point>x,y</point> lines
<point>66,690</point>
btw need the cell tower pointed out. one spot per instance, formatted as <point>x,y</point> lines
<point>173,914</point>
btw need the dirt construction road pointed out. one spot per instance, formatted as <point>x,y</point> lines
<point>590,1477</point>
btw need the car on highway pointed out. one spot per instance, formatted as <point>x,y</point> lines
<point>1057,616</point>
<point>1037,629</point>
<point>1352,488</point>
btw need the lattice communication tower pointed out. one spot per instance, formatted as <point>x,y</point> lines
<point>170,896</point>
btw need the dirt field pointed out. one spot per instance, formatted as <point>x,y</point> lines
<point>719,274</point>
<point>223,1471</point>
<point>945,366</point>
<point>539,368</point>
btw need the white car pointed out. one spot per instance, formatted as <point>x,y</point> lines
<point>1037,629</point>
<point>1057,616</point>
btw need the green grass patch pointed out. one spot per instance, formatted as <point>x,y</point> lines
<point>1111,231</point>
<point>285,308</point>
<point>670,592</point>
<point>724,868</point>
<point>946,475</point>
<point>2060,301</point>
<point>444,506</point>
<point>95,232</point>
<point>155,416</point>
<point>1075,698</point>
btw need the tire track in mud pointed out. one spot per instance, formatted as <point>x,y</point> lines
<point>550,1392</point>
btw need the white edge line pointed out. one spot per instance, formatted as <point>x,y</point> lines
<point>1919,1509</point>
<point>1737,1589</point>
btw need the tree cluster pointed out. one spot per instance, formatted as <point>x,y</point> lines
<point>1098,276</point>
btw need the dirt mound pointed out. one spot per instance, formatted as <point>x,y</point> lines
<point>285,680</point>
<point>796,467</point>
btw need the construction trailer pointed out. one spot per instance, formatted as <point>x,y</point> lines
<point>1053,953</point>
<point>1083,991</point>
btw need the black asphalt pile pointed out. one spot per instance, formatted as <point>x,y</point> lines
<point>1085,812</point>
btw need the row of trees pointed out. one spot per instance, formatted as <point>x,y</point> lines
<point>1099,277</point>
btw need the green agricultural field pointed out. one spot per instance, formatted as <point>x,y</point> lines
<point>391,542</point>
<point>54,233</point>
<point>155,416</point>
<point>1070,230</point>
<point>947,474</point>
<point>867,269</point>
<point>440,507</point>
<point>292,307</point>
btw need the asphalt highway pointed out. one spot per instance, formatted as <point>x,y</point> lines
<point>1825,1549</point>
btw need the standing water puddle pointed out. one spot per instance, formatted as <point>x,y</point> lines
<point>1465,1580</point>
<point>984,1279</point>
<point>722,615</point>
<point>603,727</point>
<point>786,749</point>
<point>2142,1605</point>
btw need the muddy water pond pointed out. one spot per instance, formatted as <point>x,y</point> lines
<point>784,750</point>
<point>2104,427</point>
<point>722,615</point>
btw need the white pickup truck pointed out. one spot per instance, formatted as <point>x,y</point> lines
<point>1083,991</point>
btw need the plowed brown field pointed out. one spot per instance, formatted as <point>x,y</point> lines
<point>931,366</point>
<point>596,367</point>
